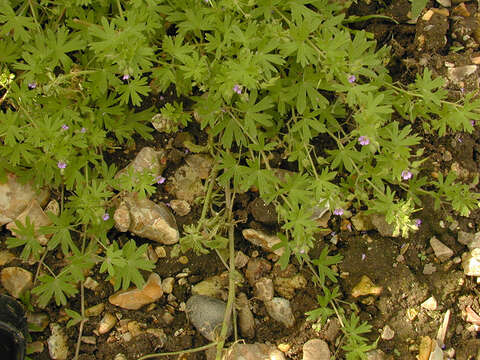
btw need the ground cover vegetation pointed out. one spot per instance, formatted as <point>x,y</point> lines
<point>74,77</point>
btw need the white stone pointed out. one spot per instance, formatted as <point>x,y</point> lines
<point>471,262</point>
<point>57,343</point>
<point>442,252</point>
<point>387,333</point>
<point>266,242</point>
<point>430,304</point>
<point>107,323</point>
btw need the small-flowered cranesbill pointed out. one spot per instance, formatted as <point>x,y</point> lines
<point>62,165</point>
<point>406,175</point>
<point>32,85</point>
<point>338,212</point>
<point>160,179</point>
<point>65,127</point>
<point>418,222</point>
<point>237,89</point>
<point>105,217</point>
<point>363,140</point>
<point>83,130</point>
<point>125,77</point>
<point>352,79</point>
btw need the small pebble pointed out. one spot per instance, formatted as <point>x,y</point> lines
<point>387,333</point>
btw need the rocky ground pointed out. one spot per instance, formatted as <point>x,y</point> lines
<point>412,291</point>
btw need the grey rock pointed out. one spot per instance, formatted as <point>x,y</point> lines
<point>376,355</point>
<point>256,268</point>
<point>429,269</point>
<point>382,226</point>
<point>240,260</point>
<point>316,349</point>
<point>263,212</point>
<point>246,322</point>
<point>469,239</point>
<point>280,310</point>
<point>442,252</point>
<point>457,74</point>
<point>256,351</point>
<point>207,314</point>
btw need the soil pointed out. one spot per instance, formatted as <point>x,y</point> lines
<point>405,286</point>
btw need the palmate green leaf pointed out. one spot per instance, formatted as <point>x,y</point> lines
<point>323,264</point>
<point>324,312</point>
<point>132,91</point>
<point>231,171</point>
<point>19,26</point>
<point>58,287</point>
<point>60,228</point>
<point>26,236</point>
<point>135,261</point>
<point>265,180</point>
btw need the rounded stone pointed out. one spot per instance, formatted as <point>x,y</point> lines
<point>207,314</point>
<point>316,349</point>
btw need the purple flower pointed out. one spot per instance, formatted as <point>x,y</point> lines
<point>352,79</point>
<point>160,179</point>
<point>406,175</point>
<point>32,85</point>
<point>338,212</point>
<point>237,89</point>
<point>472,122</point>
<point>364,257</point>
<point>363,140</point>
<point>418,222</point>
<point>83,130</point>
<point>125,77</point>
<point>65,127</point>
<point>105,217</point>
<point>62,165</point>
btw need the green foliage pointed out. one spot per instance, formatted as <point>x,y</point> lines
<point>123,264</point>
<point>74,77</point>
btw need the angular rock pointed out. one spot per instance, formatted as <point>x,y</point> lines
<point>362,222</point>
<point>187,181</point>
<point>36,217</point>
<point>15,197</point>
<point>256,268</point>
<point>246,322</point>
<point>459,73</point>
<point>266,242</point>
<point>16,280</point>
<point>253,352</point>
<point>387,333</point>
<point>240,260</point>
<point>429,269</point>
<point>263,289</point>
<point>366,287</point>
<point>376,355</point>
<point>316,349</point>
<point>147,219</point>
<point>280,310</point>
<point>147,159</point>
<point>471,240</point>
<point>212,286</point>
<point>442,252</point>
<point>286,287</point>
<point>471,262</point>
<point>95,310</point>
<point>207,314</point>
<point>134,298</point>
<point>57,343</point>
<point>167,285</point>
<point>382,226</point>
<point>263,212</point>
<point>181,207</point>
<point>430,304</point>
<point>107,323</point>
